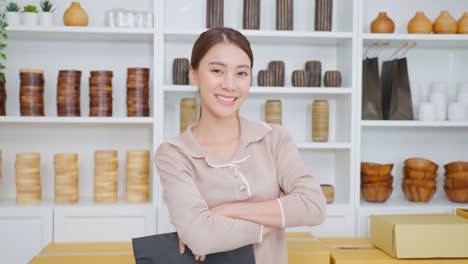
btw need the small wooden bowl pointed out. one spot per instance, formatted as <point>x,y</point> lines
<point>456,183</point>
<point>457,195</point>
<point>369,168</point>
<point>376,194</point>
<point>457,175</point>
<point>457,166</point>
<point>375,178</point>
<point>418,175</point>
<point>415,193</point>
<point>421,164</point>
<point>388,183</point>
<point>422,183</point>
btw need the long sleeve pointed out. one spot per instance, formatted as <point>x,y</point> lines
<point>202,231</point>
<point>304,204</point>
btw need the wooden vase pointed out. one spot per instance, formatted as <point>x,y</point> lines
<point>188,113</point>
<point>273,112</point>
<point>251,14</point>
<point>332,79</point>
<point>445,24</point>
<point>66,178</point>
<point>266,78</point>
<point>299,78</point>
<point>320,121</point>
<point>278,68</point>
<point>382,24</point>
<point>31,92</point>
<point>214,13</point>
<point>462,25</point>
<point>323,15</point>
<point>284,14</point>
<point>137,178</point>
<point>314,69</point>
<point>68,93</point>
<point>28,178</point>
<point>106,166</point>
<point>100,93</point>
<point>138,92</point>
<point>180,71</point>
<point>420,24</point>
<point>75,16</point>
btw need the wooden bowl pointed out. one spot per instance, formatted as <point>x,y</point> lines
<point>376,194</point>
<point>388,183</point>
<point>457,166</point>
<point>421,164</point>
<point>456,183</point>
<point>375,178</point>
<point>418,175</point>
<point>329,192</point>
<point>457,195</point>
<point>422,183</point>
<point>369,168</point>
<point>415,193</point>
<point>457,175</point>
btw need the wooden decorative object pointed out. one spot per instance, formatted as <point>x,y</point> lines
<point>266,78</point>
<point>75,15</point>
<point>100,93</point>
<point>323,15</point>
<point>180,71</point>
<point>31,92</point>
<point>445,24</point>
<point>284,14</point>
<point>3,95</point>
<point>320,121</point>
<point>251,15</point>
<point>106,167</point>
<point>314,69</point>
<point>278,68</point>
<point>66,178</point>
<point>332,79</point>
<point>273,112</point>
<point>382,24</point>
<point>138,92</point>
<point>138,168</point>
<point>299,78</point>
<point>68,93</point>
<point>28,178</point>
<point>462,24</point>
<point>420,24</point>
<point>214,13</point>
<point>329,192</point>
<point>188,113</point>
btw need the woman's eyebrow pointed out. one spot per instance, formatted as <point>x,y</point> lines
<point>224,64</point>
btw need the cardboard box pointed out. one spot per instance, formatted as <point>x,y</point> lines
<point>463,212</point>
<point>89,253</point>
<point>420,236</point>
<point>361,251</point>
<point>304,248</point>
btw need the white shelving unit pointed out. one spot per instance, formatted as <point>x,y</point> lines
<point>177,25</point>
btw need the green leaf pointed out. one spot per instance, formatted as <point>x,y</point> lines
<point>4,56</point>
<point>5,35</point>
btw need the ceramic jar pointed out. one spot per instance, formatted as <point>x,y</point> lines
<point>420,24</point>
<point>382,24</point>
<point>75,15</point>
<point>445,24</point>
<point>462,25</point>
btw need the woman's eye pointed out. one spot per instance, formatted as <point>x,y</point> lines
<point>243,74</point>
<point>216,71</point>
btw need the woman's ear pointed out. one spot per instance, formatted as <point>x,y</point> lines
<point>193,76</point>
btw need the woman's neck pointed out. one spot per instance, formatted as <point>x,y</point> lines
<point>212,130</point>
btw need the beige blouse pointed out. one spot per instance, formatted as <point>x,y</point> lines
<point>266,162</point>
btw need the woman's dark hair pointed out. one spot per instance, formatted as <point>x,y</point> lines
<point>215,36</point>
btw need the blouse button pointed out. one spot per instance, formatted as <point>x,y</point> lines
<point>242,187</point>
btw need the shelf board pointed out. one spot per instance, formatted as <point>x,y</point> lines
<point>314,145</point>
<point>272,36</point>
<point>80,33</point>
<point>422,40</point>
<point>413,123</point>
<point>76,120</point>
<point>403,202</point>
<point>84,202</point>
<point>271,90</point>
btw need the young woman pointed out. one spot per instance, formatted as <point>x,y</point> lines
<point>223,177</point>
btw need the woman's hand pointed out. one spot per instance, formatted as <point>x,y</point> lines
<point>182,250</point>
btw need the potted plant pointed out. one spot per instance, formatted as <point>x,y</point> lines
<point>30,15</point>
<point>12,14</point>
<point>46,16</point>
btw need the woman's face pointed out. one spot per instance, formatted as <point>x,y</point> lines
<point>224,79</point>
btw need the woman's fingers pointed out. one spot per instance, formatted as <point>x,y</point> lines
<point>181,247</point>
<point>202,258</point>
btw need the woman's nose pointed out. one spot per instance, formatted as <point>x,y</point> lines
<point>229,82</point>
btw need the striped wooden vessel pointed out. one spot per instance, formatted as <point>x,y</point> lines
<point>266,78</point>
<point>332,79</point>
<point>188,113</point>
<point>314,68</point>
<point>320,121</point>
<point>273,112</point>
<point>278,68</point>
<point>284,14</point>
<point>251,15</point>
<point>299,78</point>
<point>214,13</point>
<point>323,15</point>
<point>180,71</point>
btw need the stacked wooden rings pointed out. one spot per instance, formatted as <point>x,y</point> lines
<point>66,178</point>
<point>100,93</point>
<point>105,176</point>
<point>320,121</point>
<point>68,93</point>
<point>138,91</point>
<point>28,178</point>
<point>3,95</point>
<point>31,92</point>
